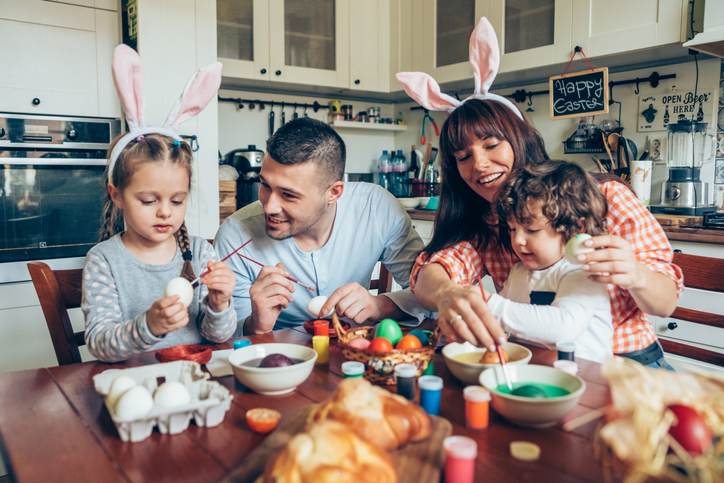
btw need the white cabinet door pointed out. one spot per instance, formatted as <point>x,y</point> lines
<point>52,50</point>
<point>442,32</point>
<point>309,42</point>
<point>242,28</point>
<point>369,45</point>
<point>532,33</point>
<point>612,26</point>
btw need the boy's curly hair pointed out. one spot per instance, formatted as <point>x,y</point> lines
<point>568,197</point>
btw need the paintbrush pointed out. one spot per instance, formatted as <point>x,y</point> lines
<point>498,348</point>
<point>196,281</point>
<point>288,277</point>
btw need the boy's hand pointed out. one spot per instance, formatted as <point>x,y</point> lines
<point>166,315</point>
<point>220,281</point>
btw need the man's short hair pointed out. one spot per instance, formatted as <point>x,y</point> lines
<point>304,139</point>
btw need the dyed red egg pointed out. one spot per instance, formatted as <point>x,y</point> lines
<point>380,344</point>
<point>408,342</point>
<point>690,430</point>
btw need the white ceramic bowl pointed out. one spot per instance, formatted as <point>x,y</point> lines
<point>272,381</point>
<point>409,203</point>
<point>526,411</point>
<point>468,372</point>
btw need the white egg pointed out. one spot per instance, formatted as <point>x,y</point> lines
<point>575,247</point>
<point>119,385</point>
<point>181,287</point>
<point>135,403</point>
<point>314,307</point>
<point>171,394</point>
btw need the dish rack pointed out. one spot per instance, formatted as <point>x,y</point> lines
<point>209,399</point>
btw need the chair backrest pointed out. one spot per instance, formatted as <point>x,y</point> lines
<point>58,291</point>
<point>704,273</point>
<point>384,283</point>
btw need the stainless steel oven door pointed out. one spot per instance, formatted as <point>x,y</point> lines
<point>50,210</point>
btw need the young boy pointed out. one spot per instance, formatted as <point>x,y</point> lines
<point>546,297</point>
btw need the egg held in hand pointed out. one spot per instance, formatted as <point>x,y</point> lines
<point>314,307</point>
<point>575,246</point>
<point>181,287</point>
<point>171,394</point>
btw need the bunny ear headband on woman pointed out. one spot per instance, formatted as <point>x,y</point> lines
<point>128,79</point>
<point>485,60</point>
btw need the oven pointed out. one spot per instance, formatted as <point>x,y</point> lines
<point>52,188</point>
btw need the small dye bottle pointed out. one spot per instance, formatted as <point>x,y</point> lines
<point>430,393</point>
<point>460,455</point>
<point>405,375</point>
<point>566,351</point>
<point>477,407</point>
<point>352,369</point>
<point>239,343</point>
<point>320,343</point>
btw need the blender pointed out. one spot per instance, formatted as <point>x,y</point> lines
<point>683,193</point>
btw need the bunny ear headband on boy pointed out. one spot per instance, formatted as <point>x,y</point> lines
<point>128,79</point>
<point>485,60</point>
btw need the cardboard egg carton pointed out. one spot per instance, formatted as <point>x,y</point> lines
<point>209,399</point>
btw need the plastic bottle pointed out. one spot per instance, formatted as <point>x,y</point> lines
<point>404,185</point>
<point>383,170</point>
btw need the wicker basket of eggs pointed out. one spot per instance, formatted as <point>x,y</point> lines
<point>384,346</point>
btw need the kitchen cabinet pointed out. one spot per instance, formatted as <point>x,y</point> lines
<point>440,40</point>
<point>60,56</point>
<point>532,33</point>
<point>243,38</point>
<point>604,27</point>
<point>370,30</point>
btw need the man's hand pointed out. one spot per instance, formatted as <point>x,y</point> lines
<point>356,303</point>
<point>166,315</point>
<point>270,293</point>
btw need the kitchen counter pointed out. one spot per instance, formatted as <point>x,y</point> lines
<point>675,233</point>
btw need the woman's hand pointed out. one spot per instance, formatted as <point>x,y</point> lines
<point>166,315</point>
<point>220,281</point>
<point>612,261</point>
<point>463,315</point>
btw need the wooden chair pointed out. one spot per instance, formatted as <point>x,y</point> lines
<point>704,273</point>
<point>58,291</point>
<point>384,283</point>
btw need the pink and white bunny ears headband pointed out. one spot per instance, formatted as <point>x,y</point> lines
<point>485,60</point>
<point>128,78</point>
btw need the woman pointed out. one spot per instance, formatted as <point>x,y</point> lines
<point>483,143</point>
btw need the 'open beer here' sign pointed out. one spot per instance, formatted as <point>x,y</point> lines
<point>579,94</point>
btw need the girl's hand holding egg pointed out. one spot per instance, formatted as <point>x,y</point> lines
<point>166,315</point>
<point>220,281</point>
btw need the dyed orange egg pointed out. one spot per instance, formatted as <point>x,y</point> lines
<point>408,342</point>
<point>380,344</point>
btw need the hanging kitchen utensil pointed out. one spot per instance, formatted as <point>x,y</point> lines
<point>608,151</point>
<point>271,121</point>
<point>599,164</point>
<point>295,114</point>
<point>284,117</point>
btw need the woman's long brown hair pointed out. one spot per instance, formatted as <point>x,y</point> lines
<point>464,215</point>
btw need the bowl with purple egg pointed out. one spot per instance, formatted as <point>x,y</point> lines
<point>272,369</point>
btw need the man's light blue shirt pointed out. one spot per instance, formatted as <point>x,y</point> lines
<point>370,226</point>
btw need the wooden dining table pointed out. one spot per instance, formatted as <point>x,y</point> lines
<point>54,427</point>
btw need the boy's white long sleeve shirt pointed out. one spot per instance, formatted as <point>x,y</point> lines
<point>580,311</point>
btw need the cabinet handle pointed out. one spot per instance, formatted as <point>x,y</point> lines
<point>263,71</point>
<point>36,101</point>
<point>356,81</point>
<point>672,325</point>
<point>278,72</point>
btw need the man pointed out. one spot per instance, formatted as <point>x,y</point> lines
<point>328,235</point>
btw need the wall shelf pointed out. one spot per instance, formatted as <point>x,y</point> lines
<point>374,126</point>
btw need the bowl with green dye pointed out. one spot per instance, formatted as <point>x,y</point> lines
<point>541,397</point>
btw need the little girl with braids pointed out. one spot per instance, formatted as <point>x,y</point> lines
<point>145,242</point>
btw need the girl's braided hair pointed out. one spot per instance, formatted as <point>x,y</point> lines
<point>148,148</point>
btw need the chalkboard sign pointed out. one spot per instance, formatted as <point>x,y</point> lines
<point>579,94</point>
